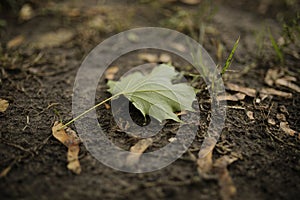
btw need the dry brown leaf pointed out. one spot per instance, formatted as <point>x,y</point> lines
<point>204,161</point>
<point>26,12</point>
<point>248,91</point>
<point>287,83</point>
<point>286,128</point>
<point>228,189</point>
<point>111,72</point>
<point>69,138</point>
<point>3,105</point>
<point>15,42</point>
<point>149,57</point>
<point>204,164</point>
<point>250,115</point>
<point>271,76</point>
<point>164,58</point>
<point>5,171</point>
<point>137,150</point>
<point>97,23</point>
<point>271,91</point>
<point>234,97</point>
<point>53,39</point>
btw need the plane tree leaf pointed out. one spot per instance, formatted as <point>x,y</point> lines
<point>154,94</point>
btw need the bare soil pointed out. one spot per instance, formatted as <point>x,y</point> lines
<point>38,82</point>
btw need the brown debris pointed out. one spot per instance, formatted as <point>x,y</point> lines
<point>281,117</point>
<point>245,90</point>
<point>271,76</point>
<point>3,105</point>
<point>26,12</point>
<point>286,128</point>
<point>227,187</point>
<point>164,58</point>
<point>69,138</point>
<point>111,72</point>
<point>204,164</point>
<point>287,83</point>
<point>271,121</point>
<point>234,97</point>
<point>271,91</point>
<point>53,39</point>
<point>276,76</point>
<point>15,42</point>
<point>148,57</point>
<point>137,150</point>
<point>250,115</point>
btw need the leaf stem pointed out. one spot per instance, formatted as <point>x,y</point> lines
<point>90,109</point>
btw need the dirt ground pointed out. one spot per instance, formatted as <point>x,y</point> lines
<point>37,74</point>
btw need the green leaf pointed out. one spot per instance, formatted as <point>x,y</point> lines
<point>230,57</point>
<point>154,94</point>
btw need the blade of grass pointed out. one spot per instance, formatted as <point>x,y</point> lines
<point>229,59</point>
<point>276,47</point>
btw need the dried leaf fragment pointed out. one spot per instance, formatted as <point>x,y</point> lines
<point>271,121</point>
<point>235,97</point>
<point>137,150</point>
<point>69,138</point>
<point>248,91</point>
<point>271,91</point>
<point>149,57</point>
<point>286,128</point>
<point>26,12</point>
<point>228,189</point>
<point>15,42</point>
<point>3,105</point>
<point>286,83</point>
<point>204,161</point>
<point>53,39</point>
<point>111,72</point>
<point>250,115</point>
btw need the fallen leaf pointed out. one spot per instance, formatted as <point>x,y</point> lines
<point>149,57</point>
<point>204,164</point>
<point>15,42</point>
<point>286,83</point>
<point>5,171</point>
<point>271,76</point>
<point>110,72</point>
<point>248,91</point>
<point>69,138</point>
<point>286,128</point>
<point>271,91</point>
<point>234,97</point>
<point>26,12</point>
<point>137,150</point>
<point>228,189</point>
<point>53,39</point>
<point>172,139</point>
<point>97,23</point>
<point>250,115</point>
<point>155,94</point>
<point>165,58</point>
<point>204,161</point>
<point>3,105</point>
